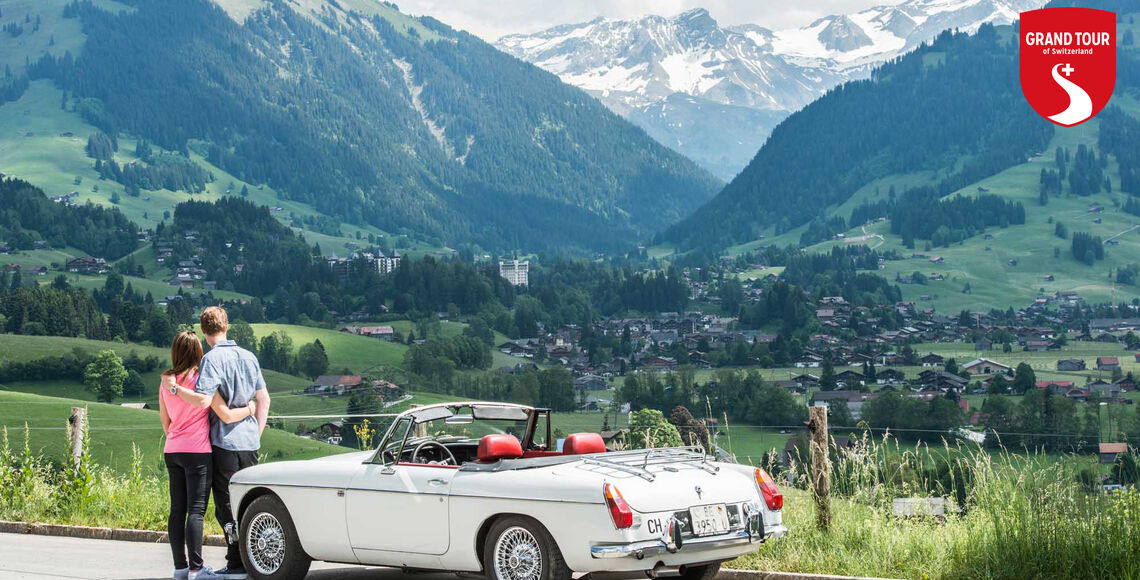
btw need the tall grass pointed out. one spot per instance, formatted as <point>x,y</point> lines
<point>1009,516</point>
<point>33,489</point>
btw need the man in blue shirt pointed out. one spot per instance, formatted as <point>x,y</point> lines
<point>234,374</point>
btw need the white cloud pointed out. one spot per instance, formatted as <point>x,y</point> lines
<point>490,19</point>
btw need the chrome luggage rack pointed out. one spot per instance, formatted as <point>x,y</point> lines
<point>638,461</point>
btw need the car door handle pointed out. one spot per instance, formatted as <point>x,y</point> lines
<point>437,482</point>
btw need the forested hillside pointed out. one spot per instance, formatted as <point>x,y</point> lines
<point>27,217</point>
<point>372,121</point>
<point>953,107</point>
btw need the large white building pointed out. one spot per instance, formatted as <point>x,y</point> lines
<point>387,264</point>
<point>515,271</point>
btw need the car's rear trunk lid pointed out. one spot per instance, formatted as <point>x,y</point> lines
<point>669,479</point>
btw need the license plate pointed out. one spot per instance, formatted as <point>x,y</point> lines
<point>709,520</point>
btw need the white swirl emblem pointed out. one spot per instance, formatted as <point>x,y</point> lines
<point>1080,104</point>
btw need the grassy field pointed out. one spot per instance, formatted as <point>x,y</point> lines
<point>356,353</point>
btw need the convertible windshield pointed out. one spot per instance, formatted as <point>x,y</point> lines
<point>449,435</point>
<point>451,430</point>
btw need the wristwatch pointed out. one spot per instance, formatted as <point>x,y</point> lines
<point>174,389</point>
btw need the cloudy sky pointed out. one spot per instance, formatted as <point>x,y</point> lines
<point>490,19</point>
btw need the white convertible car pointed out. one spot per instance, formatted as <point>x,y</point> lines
<point>476,487</point>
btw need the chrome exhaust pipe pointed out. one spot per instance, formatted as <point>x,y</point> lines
<point>663,571</point>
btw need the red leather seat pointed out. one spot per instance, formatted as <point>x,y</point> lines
<point>492,448</point>
<point>582,443</point>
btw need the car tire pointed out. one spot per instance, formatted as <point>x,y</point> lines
<point>702,572</point>
<point>270,547</point>
<point>520,548</point>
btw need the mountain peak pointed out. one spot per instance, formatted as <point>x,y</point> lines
<point>695,17</point>
<point>844,35</point>
<point>746,76</point>
<point>694,13</point>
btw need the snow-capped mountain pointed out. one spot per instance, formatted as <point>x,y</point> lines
<point>715,92</point>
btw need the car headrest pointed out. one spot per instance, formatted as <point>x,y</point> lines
<point>499,446</point>
<point>582,443</point>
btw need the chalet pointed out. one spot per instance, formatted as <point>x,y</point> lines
<point>387,391</point>
<point>1107,363</point>
<point>1079,395</point>
<point>854,400</point>
<point>1058,387</point>
<point>1038,345</point>
<point>983,344</point>
<point>1067,297</point>
<point>381,332</point>
<point>590,382</point>
<point>850,378</point>
<point>334,384</point>
<point>889,375</point>
<point>615,440</point>
<point>1071,364</point>
<point>932,360</point>
<point>139,406</point>
<point>87,265</point>
<point>939,380</point>
<point>791,386</point>
<point>1126,384</point>
<point>1109,452</point>
<point>985,366</point>
<point>660,362</point>
<point>38,270</point>
<point>1104,390</point>
<point>806,380</point>
<point>809,360</point>
<point>523,347</point>
<point>331,432</point>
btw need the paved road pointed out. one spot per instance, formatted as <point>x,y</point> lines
<point>29,557</point>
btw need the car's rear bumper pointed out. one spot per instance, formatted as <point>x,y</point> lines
<point>694,546</point>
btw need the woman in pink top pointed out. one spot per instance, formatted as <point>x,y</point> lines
<point>187,454</point>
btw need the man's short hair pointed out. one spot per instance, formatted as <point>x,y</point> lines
<point>214,321</point>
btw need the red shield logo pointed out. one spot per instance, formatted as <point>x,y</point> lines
<point>1068,62</point>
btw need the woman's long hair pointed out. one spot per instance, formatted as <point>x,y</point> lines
<point>185,353</point>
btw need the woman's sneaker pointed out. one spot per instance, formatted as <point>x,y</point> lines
<point>205,573</point>
<point>181,574</point>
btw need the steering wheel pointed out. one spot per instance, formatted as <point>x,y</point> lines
<point>450,460</point>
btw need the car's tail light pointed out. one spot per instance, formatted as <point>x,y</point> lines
<point>772,496</point>
<point>619,510</point>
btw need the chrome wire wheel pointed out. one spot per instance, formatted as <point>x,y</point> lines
<point>265,543</point>
<point>517,555</point>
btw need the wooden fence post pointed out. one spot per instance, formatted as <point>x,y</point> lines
<point>75,424</point>
<point>820,466</point>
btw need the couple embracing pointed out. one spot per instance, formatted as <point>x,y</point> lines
<point>213,410</point>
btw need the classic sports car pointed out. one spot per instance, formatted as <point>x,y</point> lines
<point>477,487</point>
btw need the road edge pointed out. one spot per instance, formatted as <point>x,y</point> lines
<point>96,533</point>
<point>156,537</point>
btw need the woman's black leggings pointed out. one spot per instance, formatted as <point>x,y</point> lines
<point>189,492</point>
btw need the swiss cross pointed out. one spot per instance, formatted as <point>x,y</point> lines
<point>1068,69</point>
